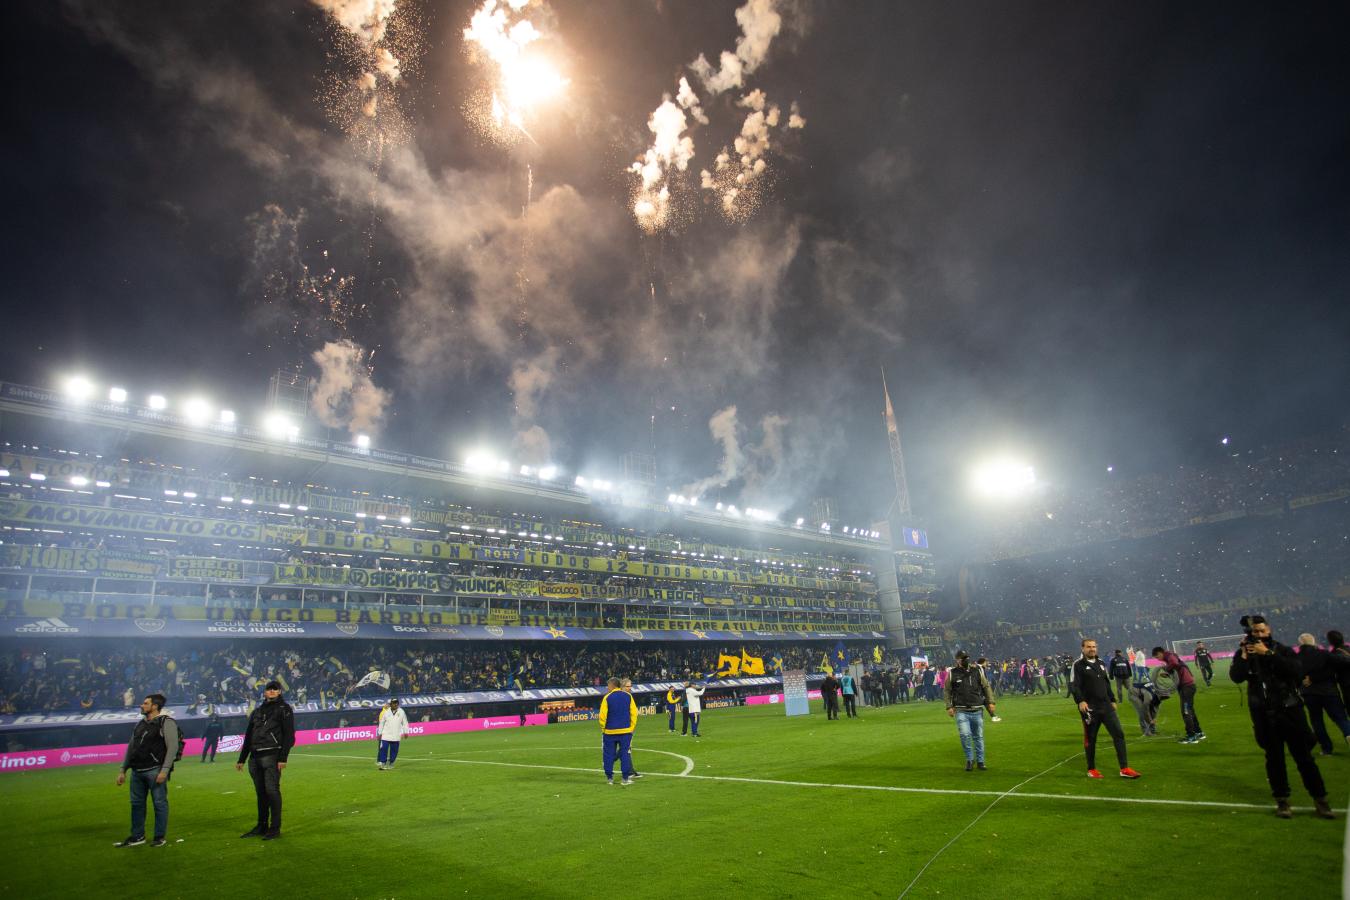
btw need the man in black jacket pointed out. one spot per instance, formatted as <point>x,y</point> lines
<point>150,758</point>
<point>1205,660</point>
<point>1120,673</point>
<point>1272,674</point>
<point>1090,686</point>
<point>968,695</point>
<point>1321,693</point>
<point>267,744</point>
<point>829,692</point>
<point>211,738</point>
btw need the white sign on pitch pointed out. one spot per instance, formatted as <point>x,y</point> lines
<point>794,693</point>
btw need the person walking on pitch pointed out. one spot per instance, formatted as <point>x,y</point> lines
<point>390,731</point>
<point>1090,685</point>
<point>618,721</point>
<point>968,695</point>
<point>267,745</point>
<point>151,753</point>
<point>674,701</point>
<point>693,701</point>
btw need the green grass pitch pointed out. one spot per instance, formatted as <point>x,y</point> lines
<point>770,807</point>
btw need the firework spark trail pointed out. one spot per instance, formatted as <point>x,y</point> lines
<point>502,33</point>
<point>738,180</point>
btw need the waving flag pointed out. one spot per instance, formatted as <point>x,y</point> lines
<point>375,677</point>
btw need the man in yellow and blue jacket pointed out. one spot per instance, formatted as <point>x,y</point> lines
<point>618,719</point>
<point>674,701</point>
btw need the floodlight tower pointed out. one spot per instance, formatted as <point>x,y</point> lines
<point>890,597</point>
<point>288,394</point>
<point>900,504</point>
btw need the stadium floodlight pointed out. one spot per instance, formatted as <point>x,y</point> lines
<point>79,388</point>
<point>719,506</point>
<point>548,473</point>
<point>190,495</point>
<point>4,473</point>
<point>1110,468</point>
<point>276,425</point>
<point>406,520</point>
<point>117,394</point>
<point>302,508</point>
<point>362,442</point>
<point>732,510</point>
<point>170,492</point>
<point>527,471</point>
<point>156,402</point>
<point>360,515</point>
<point>1224,441</point>
<point>196,411</point>
<point>102,484</point>
<point>581,481</point>
<point>479,461</point>
<point>79,480</point>
<point>380,517</point>
<point>226,499</point>
<point>247,501</point>
<point>281,505</point>
<point>227,417</point>
<point>670,498</point>
<point>1003,479</point>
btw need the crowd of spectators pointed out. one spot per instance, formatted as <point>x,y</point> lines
<point>91,674</point>
<point>1249,482</point>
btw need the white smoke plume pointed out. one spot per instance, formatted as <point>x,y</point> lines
<point>795,118</point>
<point>760,24</point>
<point>533,446</point>
<point>367,19</point>
<point>723,428</point>
<point>671,148</point>
<point>344,396</point>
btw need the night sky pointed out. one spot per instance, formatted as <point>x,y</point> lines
<point>1087,233</point>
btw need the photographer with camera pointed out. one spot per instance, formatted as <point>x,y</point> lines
<point>1272,673</point>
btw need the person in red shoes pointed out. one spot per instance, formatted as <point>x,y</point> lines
<point>1090,687</point>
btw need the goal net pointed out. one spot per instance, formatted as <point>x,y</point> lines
<point>1223,644</point>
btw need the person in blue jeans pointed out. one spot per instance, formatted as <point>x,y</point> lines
<point>968,695</point>
<point>150,758</point>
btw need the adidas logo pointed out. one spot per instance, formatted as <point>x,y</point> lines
<point>46,626</point>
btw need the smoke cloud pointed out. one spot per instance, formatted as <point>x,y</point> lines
<point>344,396</point>
<point>760,24</point>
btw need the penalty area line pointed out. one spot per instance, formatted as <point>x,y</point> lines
<point>1013,793</point>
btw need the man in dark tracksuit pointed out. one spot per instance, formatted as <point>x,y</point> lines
<point>267,744</point>
<point>1272,674</point>
<point>1120,673</point>
<point>211,739</point>
<point>829,692</point>
<point>1090,686</point>
<point>1205,661</point>
<point>1321,693</point>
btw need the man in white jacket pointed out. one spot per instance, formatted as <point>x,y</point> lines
<point>390,730</point>
<point>693,702</point>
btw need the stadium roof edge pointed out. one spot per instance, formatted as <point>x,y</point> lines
<point>118,429</point>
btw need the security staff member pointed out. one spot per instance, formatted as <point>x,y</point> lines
<point>618,721</point>
<point>1272,673</point>
<point>1090,686</point>
<point>267,744</point>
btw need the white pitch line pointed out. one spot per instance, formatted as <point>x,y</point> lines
<point>1029,795</point>
<point>957,836</point>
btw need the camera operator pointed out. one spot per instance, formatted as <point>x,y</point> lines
<point>1272,673</point>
